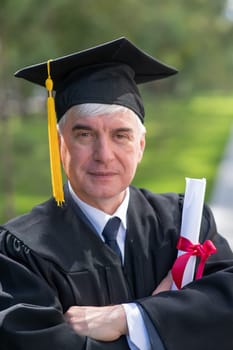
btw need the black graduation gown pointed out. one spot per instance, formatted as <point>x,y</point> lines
<point>52,259</point>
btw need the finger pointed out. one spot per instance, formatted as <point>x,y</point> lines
<point>72,314</point>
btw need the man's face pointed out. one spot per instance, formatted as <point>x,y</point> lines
<point>100,155</point>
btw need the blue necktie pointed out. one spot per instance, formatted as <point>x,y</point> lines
<point>110,234</point>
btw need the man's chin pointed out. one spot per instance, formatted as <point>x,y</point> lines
<point>108,193</point>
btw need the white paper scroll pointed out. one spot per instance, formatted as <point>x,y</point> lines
<point>191,221</point>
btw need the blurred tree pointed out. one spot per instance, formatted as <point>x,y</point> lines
<point>193,35</point>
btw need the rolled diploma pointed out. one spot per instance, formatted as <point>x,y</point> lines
<point>191,221</point>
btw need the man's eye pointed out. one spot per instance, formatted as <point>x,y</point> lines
<point>84,136</point>
<point>122,137</point>
<point>84,133</point>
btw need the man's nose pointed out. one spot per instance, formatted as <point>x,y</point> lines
<point>103,149</point>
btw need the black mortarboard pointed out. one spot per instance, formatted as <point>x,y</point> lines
<point>108,73</point>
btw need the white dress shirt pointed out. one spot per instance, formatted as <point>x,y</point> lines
<point>138,337</point>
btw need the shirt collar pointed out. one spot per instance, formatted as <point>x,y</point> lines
<point>99,218</point>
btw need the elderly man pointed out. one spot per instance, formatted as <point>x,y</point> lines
<point>92,270</point>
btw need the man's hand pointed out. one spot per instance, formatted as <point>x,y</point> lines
<point>164,285</point>
<point>105,323</point>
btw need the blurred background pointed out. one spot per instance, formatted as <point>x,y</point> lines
<point>188,117</point>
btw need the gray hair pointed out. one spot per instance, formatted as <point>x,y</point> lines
<point>92,109</point>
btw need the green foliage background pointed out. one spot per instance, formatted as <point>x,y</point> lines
<point>188,117</point>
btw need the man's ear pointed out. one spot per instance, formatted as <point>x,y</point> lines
<point>142,147</point>
<point>59,137</point>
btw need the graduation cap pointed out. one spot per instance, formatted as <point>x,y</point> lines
<point>107,73</point>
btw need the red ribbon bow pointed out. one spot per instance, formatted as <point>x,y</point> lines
<point>202,250</point>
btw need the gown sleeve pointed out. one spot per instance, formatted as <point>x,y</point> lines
<point>31,316</point>
<point>200,315</point>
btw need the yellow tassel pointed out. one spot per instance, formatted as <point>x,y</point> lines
<point>55,163</point>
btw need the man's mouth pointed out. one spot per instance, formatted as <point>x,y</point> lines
<point>102,173</point>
